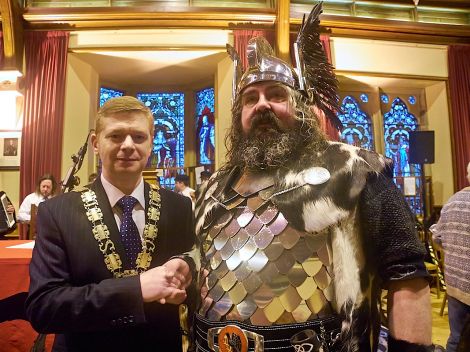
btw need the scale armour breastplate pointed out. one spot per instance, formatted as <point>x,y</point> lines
<point>256,267</point>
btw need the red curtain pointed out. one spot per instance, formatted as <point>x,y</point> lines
<point>241,38</point>
<point>41,143</point>
<point>459,85</point>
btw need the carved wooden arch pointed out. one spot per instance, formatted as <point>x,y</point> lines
<point>12,27</point>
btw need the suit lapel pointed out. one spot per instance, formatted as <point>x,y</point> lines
<point>147,200</point>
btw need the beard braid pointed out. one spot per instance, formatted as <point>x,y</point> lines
<point>275,147</point>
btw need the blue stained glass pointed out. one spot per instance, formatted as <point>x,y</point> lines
<point>364,97</point>
<point>412,99</point>
<point>384,98</point>
<point>357,126</point>
<point>398,123</point>
<point>108,93</point>
<point>205,98</point>
<point>205,126</point>
<point>168,142</point>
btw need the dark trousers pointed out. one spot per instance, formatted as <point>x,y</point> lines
<point>459,313</point>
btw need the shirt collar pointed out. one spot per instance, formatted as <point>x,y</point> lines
<point>114,193</point>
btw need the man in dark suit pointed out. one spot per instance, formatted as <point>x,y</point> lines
<point>106,274</point>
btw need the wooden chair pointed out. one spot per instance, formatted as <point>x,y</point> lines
<point>32,222</point>
<point>440,258</point>
<point>433,270</point>
<point>437,254</point>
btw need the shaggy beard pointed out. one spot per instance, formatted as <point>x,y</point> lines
<point>265,148</point>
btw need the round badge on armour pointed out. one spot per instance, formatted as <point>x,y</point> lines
<point>232,339</point>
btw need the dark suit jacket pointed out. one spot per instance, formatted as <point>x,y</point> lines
<point>73,294</point>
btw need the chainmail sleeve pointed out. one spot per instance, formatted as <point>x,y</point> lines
<point>389,231</point>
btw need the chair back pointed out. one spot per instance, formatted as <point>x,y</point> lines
<point>32,222</point>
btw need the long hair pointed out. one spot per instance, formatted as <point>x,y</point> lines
<point>47,177</point>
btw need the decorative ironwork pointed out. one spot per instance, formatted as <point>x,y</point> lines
<point>357,126</point>
<point>205,126</point>
<point>168,142</point>
<point>108,93</point>
<point>398,123</point>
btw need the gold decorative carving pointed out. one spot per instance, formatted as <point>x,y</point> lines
<point>12,28</point>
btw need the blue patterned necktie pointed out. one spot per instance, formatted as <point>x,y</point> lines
<point>130,237</point>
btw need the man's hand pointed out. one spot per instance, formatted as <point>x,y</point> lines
<point>161,284</point>
<point>180,270</point>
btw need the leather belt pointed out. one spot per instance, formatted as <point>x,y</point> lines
<point>210,335</point>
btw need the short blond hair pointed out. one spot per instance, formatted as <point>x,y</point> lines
<point>123,104</point>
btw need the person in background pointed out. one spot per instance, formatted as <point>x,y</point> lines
<point>107,271</point>
<point>182,187</point>
<point>299,234</point>
<point>92,177</point>
<point>205,175</point>
<point>452,232</point>
<point>46,189</point>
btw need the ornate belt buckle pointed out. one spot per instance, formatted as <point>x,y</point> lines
<point>231,338</point>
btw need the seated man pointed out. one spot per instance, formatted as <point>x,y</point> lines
<point>46,188</point>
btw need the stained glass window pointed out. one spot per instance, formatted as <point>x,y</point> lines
<point>108,93</point>
<point>384,98</point>
<point>357,126</point>
<point>205,126</point>
<point>168,142</point>
<point>398,123</point>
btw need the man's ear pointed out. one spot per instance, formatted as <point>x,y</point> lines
<point>94,143</point>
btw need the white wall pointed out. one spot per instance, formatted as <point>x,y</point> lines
<point>374,56</point>
<point>10,184</point>
<point>80,109</point>
<point>223,106</point>
<point>438,121</point>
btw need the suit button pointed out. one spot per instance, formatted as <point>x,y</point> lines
<point>131,319</point>
<point>113,322</point>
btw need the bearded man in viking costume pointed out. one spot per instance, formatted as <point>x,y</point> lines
<point>298,235</point>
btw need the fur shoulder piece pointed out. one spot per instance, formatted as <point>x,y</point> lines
<point>349,168</point>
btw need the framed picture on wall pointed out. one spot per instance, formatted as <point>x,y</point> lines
<point>10,150</point>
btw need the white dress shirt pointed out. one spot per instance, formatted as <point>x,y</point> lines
<point>187,193</point>
<point>138,213</point>
<point>24,214</point>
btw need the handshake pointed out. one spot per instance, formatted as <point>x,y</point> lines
<point>166,283</point>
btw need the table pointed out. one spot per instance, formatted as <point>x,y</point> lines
<point>16,335</point>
